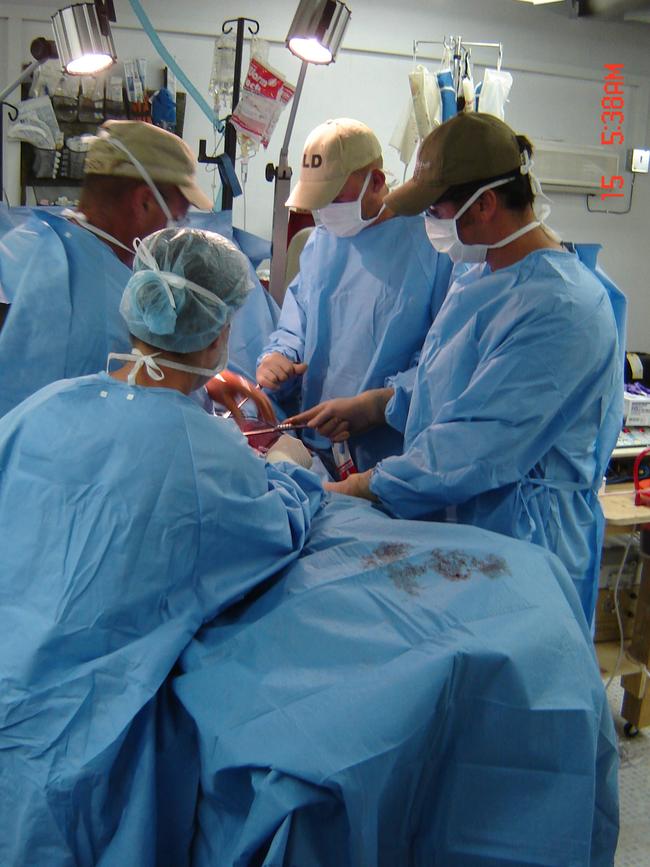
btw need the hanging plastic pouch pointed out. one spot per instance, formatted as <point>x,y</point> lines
<point>495,92</point>
<point>405,135</point>
<point>426,100</point>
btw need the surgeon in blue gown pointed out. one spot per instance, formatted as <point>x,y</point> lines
<point>369,287</point>
<point>130,517</point>
<point>63,274</point>
<point>517,401</point>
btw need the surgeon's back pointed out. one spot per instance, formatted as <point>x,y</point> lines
<point>126,516</point>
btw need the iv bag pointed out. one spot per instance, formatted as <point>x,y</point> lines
<point>222,77</point>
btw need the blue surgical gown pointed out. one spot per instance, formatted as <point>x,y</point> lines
<point>406,694</point>
<point>253,323</point>
<point>358,313</point>
<point>65,285</point>
<point>516,407</point>
<point>129,517</point>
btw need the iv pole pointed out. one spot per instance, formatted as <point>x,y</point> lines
<point>282,176</point>
<point>230,142</point>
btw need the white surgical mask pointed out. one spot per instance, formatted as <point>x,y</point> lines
<point>153,363</point>
<point>443,233</point>
<point>344,219</point>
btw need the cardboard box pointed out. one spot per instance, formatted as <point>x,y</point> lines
<point>637,410</point>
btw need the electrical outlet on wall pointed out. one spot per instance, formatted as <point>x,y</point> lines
<point>639,160</point>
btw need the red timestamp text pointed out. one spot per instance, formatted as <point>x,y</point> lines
<point>612,117</point>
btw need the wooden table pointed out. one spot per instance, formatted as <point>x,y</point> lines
<point>622,515</point>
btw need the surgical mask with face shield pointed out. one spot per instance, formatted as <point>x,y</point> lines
<point>344,219</point>
<point>443,233</point>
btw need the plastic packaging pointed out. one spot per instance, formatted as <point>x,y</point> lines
<point>46,79</point>
<point>114,102</point>
<point>405,135</point>
<point>37,124</point>
<point>426,100</point>
<point>74,156</point>
<point>223,73</point>
<point>343,460</point>
<point>65,99</point>
<point>264,95</point>
<point>133,80</point>
<point>494,92</point>
<point>91,101</point>
<point>163,109</point>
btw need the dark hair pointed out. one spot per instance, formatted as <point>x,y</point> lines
<point>516,195</point>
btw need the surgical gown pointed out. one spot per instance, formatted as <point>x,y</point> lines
<point>407,694</point>
<point>516,407</point>
<point>253,323</point>
<point>129,517</point>
<point>64,286</point>
<point>358,313</point>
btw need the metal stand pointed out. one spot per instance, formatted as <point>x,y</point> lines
<point>230,143</point>
<point>282,177</point>
<point>13,115</point>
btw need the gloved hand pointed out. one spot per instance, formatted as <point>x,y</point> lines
<point>229,389</point>
<point>289,448</point>
<point>275,368</point>
<point>343,417</point>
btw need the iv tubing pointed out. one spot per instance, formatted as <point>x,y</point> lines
<point>173,65</point>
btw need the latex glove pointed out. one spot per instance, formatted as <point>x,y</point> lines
<point>275,368</point>
<point>289,448</point>
<point>356,485</point>
<point>229,389</point>
<point>342,417</point>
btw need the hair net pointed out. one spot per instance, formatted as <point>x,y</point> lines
<point>186,285</point>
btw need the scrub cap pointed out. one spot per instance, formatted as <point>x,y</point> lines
<point>186,286</point>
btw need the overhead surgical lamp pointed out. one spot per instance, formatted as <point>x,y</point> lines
<point>315,36</point>
<point>317,30</point>
<point>83,37</point>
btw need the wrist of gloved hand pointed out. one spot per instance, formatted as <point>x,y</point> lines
<point>289,448</point>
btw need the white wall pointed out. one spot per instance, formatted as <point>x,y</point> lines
<point>556,62</point>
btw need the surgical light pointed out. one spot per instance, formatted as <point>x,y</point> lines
<point>317,30</point>
<point>83,37</point>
